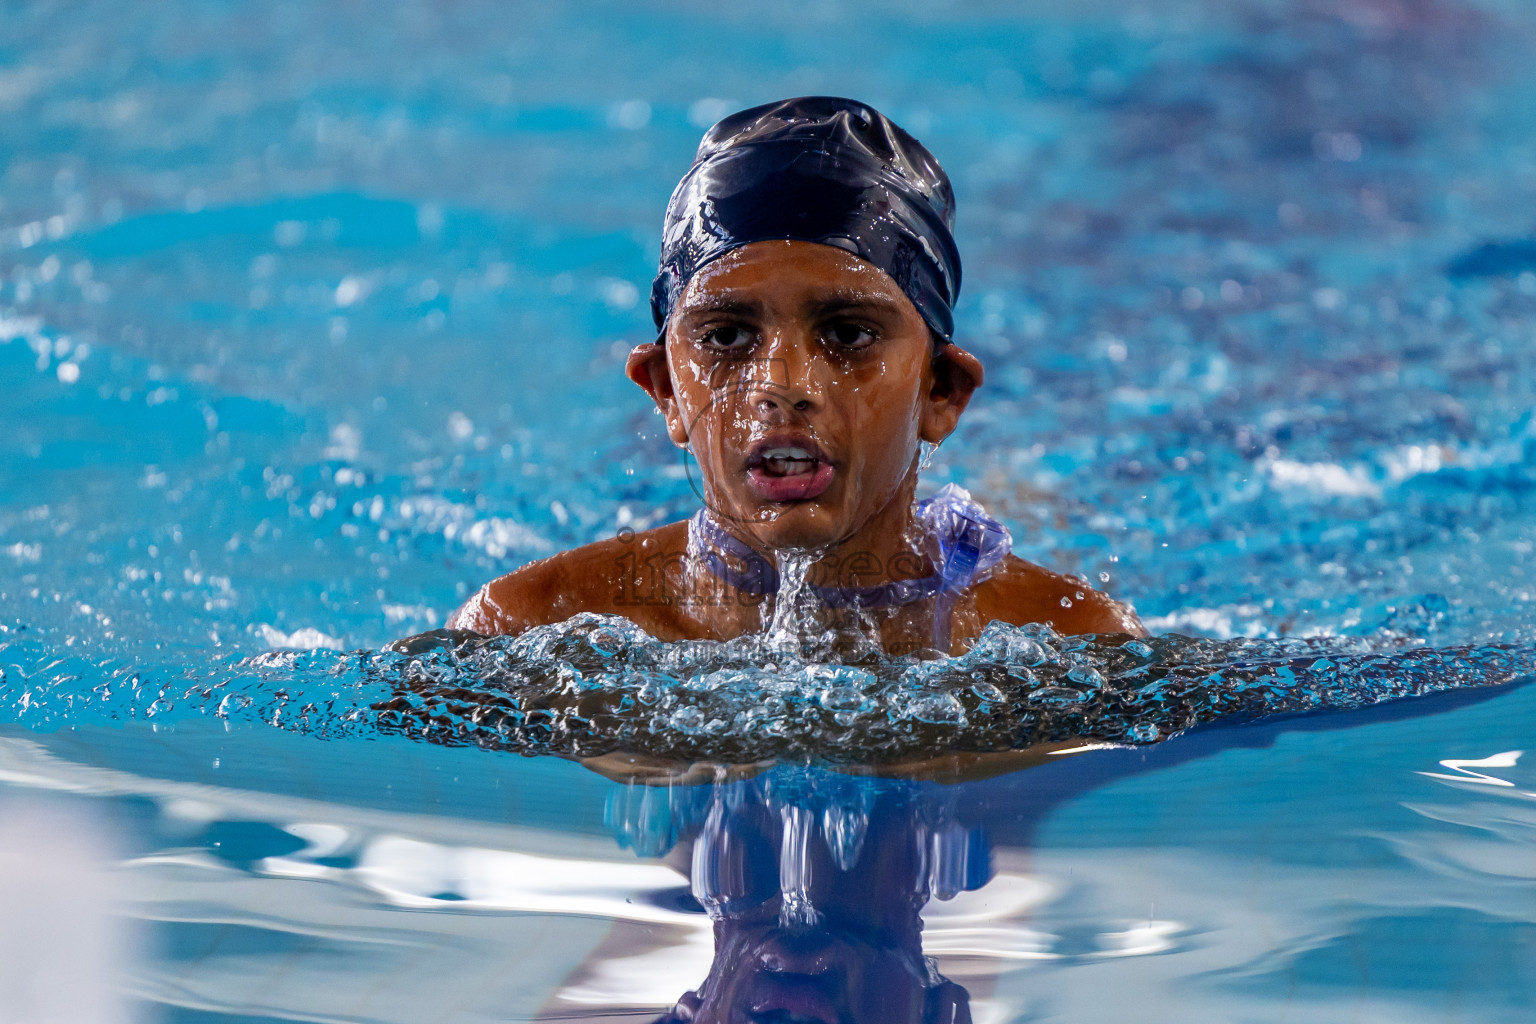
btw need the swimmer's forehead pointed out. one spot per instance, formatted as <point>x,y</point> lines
<point>813,278</point>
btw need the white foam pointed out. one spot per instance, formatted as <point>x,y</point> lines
<point>305,638</point>
<point>1324,477</point>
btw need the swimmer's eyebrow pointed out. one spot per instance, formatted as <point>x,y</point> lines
<point>852,302</point>
<point>815,309</point>
<point>717,304</point>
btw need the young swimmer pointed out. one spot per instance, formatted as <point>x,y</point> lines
<point>804,302</point>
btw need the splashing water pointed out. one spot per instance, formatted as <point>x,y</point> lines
<point>792,628</point>
<point>597,684</point>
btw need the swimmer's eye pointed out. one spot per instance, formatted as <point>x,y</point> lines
<point>851,335</point>
<point>727,339</point>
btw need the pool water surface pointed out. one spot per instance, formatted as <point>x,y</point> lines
<point>313,319</point>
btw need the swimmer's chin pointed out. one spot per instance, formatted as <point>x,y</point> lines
<point>796,526</point>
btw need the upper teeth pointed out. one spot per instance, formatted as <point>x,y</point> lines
<point>798,454</point>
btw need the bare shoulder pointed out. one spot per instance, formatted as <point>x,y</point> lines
<point>599,577</point>
<point>1020,592</point>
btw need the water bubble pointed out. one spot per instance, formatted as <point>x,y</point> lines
<point>987,691</point>
<point>1086,675</point>
<point>632,115</point>
<point>460,426</point>
<point>597,684</point>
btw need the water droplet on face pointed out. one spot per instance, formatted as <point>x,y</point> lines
<point>1079,595</point>
<point>1066,602</point>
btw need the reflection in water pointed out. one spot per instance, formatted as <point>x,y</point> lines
<point>802,893</point>
<point>816,884</point>
<point>1464,768</point>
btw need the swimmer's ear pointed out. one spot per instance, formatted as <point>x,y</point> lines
<point>647,367</point>
<point>956,374</point>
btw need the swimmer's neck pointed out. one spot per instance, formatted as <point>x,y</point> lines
<point>886,547</point>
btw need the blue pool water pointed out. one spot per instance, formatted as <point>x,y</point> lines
<point>312,320</point>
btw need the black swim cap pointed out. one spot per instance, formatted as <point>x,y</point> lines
<point>817,169</point>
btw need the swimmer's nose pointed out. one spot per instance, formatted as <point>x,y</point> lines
<point>786,383</point>
<point>775,403</point>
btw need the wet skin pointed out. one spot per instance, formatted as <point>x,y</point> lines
<point>803,380</point>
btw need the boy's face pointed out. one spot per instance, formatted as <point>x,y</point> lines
<point>803,378</point>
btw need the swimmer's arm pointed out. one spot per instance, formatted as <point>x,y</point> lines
<point>1020,593</point>
<point>485,615</point>
<point>534,595</point>
<point>609,577</point>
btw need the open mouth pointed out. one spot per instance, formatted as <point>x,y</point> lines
<point>787,461</point>
<point>779,471</point>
